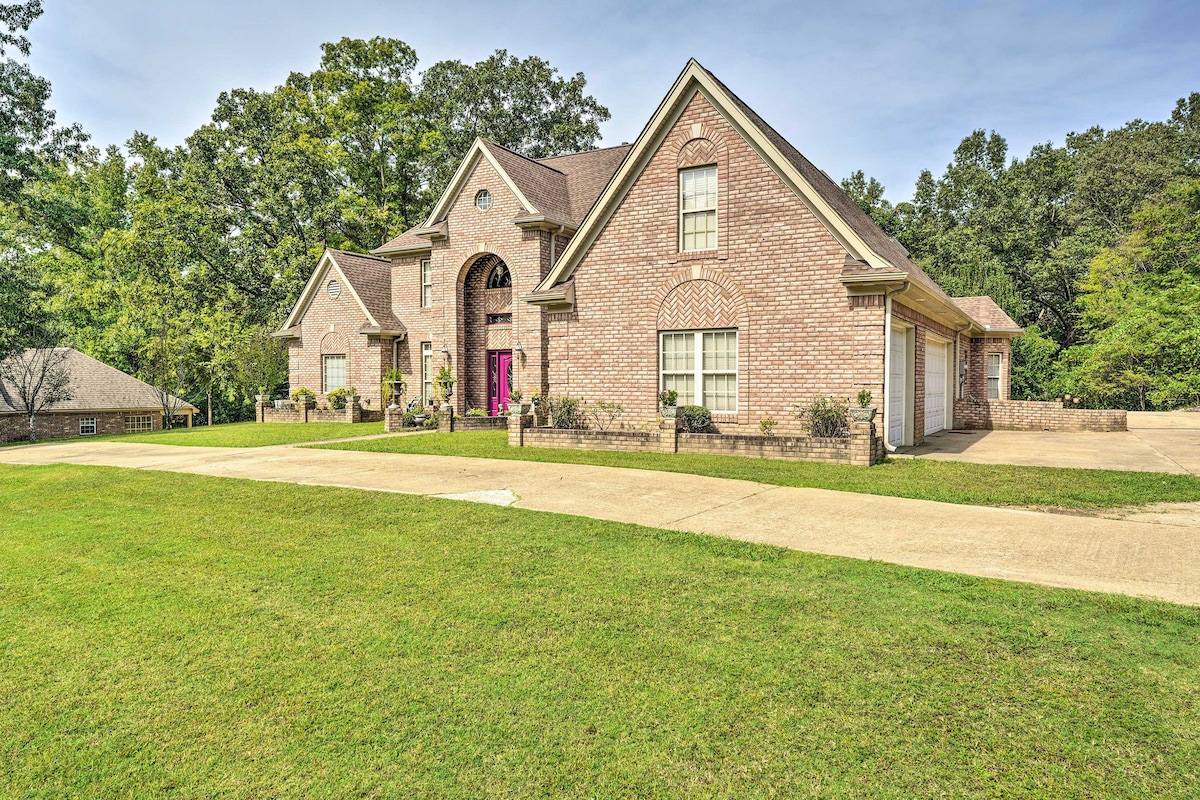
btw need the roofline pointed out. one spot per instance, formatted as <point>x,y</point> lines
<point>578,153</point>
<point>306,296</point>
<point>490,143</point>
<point>407,249</point>
<point>479,148</point>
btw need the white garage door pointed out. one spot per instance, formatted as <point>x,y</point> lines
<point>935,386</point>
<point>898,370</point>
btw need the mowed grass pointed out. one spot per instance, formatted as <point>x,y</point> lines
<point>924,479</point>
<point>186,636</point>
<point>251,434</point>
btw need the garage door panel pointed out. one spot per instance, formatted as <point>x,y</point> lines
<point>935,386</point>
<point>896,386</point>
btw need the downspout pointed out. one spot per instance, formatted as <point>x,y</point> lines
<point>887,366</point>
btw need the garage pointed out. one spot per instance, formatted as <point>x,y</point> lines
<point>936,359</point>
<point>897,383</point>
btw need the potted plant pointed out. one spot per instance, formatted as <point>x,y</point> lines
<point>517,405</point>
<point>443,384</point>
<point>304,398</point>
<point>667,399</point>
<point>392,388</point>
<point>262,396</point>
<point>338,399</point>
<point>864,412</point>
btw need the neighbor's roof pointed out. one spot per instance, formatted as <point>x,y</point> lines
<point>95,386</point>
<point>984,310</point>
<point>560,188</point>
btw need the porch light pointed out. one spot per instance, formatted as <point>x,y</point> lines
<point>445,350</point>
<point>519,348</point>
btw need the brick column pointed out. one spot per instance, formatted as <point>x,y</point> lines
<point>353,412</point>
<point>863,449</point>
<point>393,419</point>
<point>446,419</point>
<point>668,435</point>
<point>260,412</point>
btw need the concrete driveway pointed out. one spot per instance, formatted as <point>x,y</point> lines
<point>1152,555</point>
<point>1155,442</point>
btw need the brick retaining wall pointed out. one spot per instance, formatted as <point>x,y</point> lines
<point>1034,415</point>
<point>266,412</point>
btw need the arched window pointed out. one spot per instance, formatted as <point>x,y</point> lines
<point>499,279</point>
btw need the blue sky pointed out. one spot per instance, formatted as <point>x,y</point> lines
<point>887,87</point>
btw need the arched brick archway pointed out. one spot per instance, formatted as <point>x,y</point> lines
<point>486,323</point>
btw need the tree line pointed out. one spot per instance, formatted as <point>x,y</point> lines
<point>175,263</point>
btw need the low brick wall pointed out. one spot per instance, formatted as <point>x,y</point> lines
<point>64,425</point>
<point>266,412</point>
<point>1034,415</point>
<point>480,423</point>
<point>634,441</point>
<point>862,447</point>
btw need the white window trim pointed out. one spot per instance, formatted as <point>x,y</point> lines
<point>698,371</point>
<point>426,283</point>
<point>998,360</point>
<point>325,388</point>
<point>426,373</point>
<point>139,423</point>
<point>714,209</point>
<point>93,426</point>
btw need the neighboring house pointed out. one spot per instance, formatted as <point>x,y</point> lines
<point>103,400</point>
<point>709,257</point>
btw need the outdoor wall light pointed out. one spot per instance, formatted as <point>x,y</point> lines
<point>519,348</point>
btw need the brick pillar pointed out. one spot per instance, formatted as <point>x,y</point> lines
<point>260,412</point>
<point>446,419</point>
<point>353,411</point>
<point>517,423</point>
<point>668,435</point>
<point>864,444</point>
<point>393,419</point>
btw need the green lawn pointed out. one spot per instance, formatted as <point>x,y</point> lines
<point>185,636</point>
<point>251,434</point>
<point>945,481</point>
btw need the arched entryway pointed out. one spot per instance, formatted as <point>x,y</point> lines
<point>487,331</point>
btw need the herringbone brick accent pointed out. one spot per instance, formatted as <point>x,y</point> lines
<point>698,304</point>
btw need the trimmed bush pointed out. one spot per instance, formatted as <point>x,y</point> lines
<point>825,417</point>
<point>337,399</point>
<point>697,419</point>
<point>565,412</point>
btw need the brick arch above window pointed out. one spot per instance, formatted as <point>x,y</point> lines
<point>698,144</point>
<point>697,153</point>
<point>334,343</point>
<point>700,298</point>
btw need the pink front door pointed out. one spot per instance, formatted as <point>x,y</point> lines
<point>499,380</point>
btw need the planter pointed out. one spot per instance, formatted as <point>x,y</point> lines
<point>262,398</point>
<point>306,402</point>
<point>669,412</point>
<point>520,407</point>
<point>862,414</point>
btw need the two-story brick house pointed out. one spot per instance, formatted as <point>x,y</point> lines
<point>709,257</point>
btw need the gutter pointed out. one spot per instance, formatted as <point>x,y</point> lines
<point>887,366</point>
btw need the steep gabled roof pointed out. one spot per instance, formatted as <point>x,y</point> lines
<point>559,189</point>
<point>874,255</point>
<point>369,281</point>
<point>95,386</point>
<point>984,310</point>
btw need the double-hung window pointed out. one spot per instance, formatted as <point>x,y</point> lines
<point>87,426</point>
<point>426,283</point>
<point>426,373</point>
<point>333,373</point>
<point>701,366</point>
<point>698,209</point>
<point>993,376</point>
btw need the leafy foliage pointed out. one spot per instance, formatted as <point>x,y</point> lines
<point>826,417</point>
<point>696,419</point>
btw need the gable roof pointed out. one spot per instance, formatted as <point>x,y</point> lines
<point>95,386</point>
<point>987,313</point>
<point>874,255</point>
<point>558,189</point>
<point>369,281</point>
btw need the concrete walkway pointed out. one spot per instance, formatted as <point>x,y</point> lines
<point>1155,442</point>
<point>1154,555</point>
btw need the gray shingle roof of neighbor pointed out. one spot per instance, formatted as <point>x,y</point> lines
<point>95,386</point>
<point>984,310</point>
<point>371,279</point>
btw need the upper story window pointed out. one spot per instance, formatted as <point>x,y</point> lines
<point>483,199</point>
<point>698,209</point>
<point>993,376</point>
<point>426,283</point>
<point>499,278</point>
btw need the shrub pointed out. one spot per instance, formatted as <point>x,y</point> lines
<point>337,399</point>
<point>565,412</point>
<point>864,398</point>
<point>767,427</point>
<point>303,393</point>
<point>514,395</point>
<point>668,398</point>
<point>603,414</point>
<point>431,423</point>
<point>385,386</point>
<point>825,417</point>
<point>409,418</point>
<point>697,419</point>
<point>476,412</point>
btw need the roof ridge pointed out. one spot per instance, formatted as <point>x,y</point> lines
<point>583,152</point>
<point>360,255</point>
<point>490,143</point>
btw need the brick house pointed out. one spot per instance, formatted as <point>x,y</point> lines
<point>104,400</point>
<point>709,257</point>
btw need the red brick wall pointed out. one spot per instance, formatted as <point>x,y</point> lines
<point>65,425</point>
<point>798,333</point>
<point>1032,415</point>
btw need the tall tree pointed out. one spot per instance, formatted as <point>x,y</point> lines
<point>39,379</point>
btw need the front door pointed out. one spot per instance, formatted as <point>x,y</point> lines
<point>499,380</point>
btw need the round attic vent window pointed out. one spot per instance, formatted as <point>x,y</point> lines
<point>335,289</point>
<point>483,200</point>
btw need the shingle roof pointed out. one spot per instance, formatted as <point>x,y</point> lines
<point>371,279</point>
<point>562,188</point>
<point>984,310</point>
<point>95,386</point>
